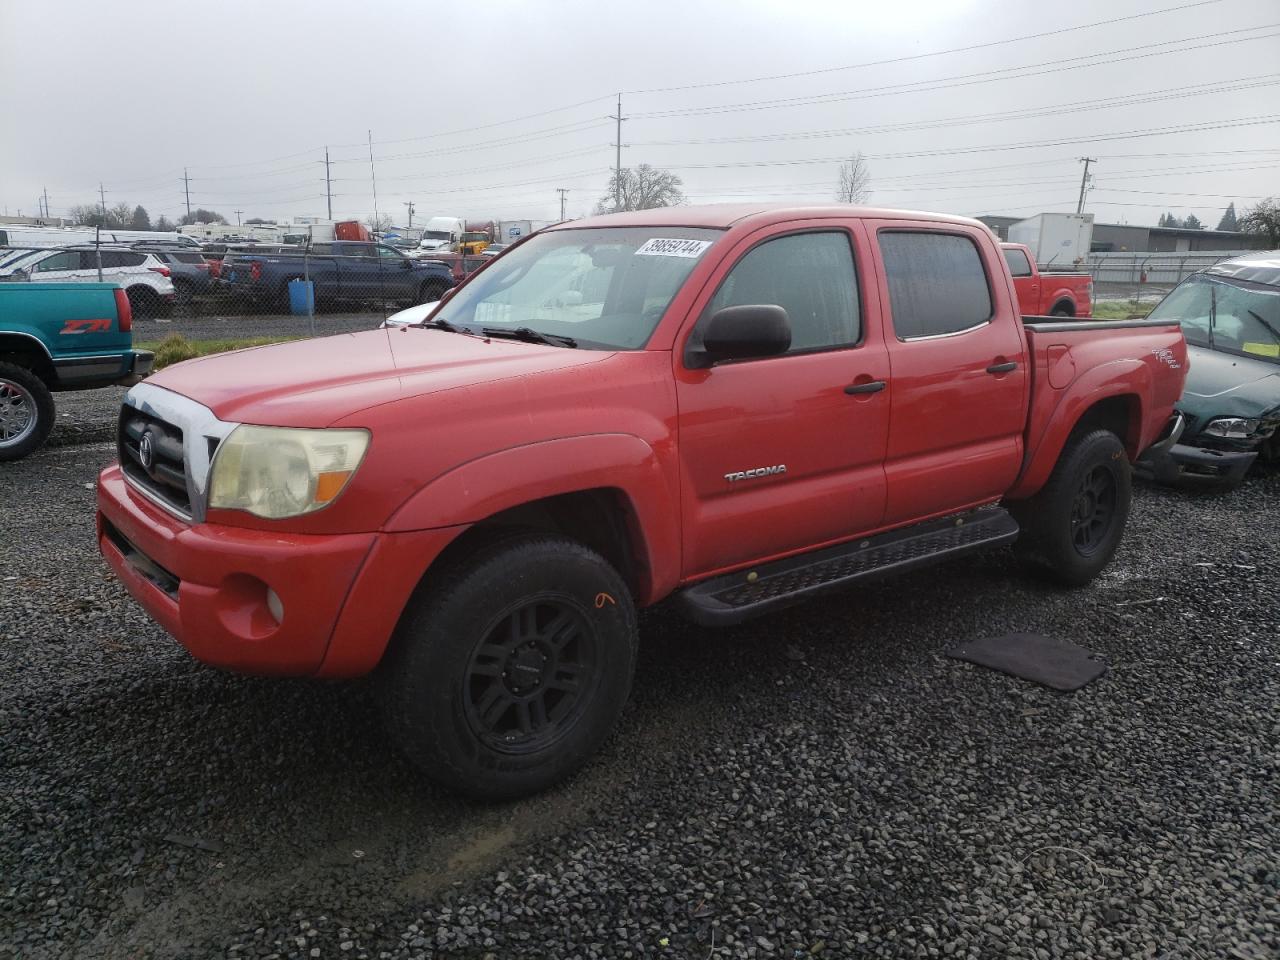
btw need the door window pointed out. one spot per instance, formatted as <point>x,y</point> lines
<point>1018,263</point>
<point>387,253</point>
<point>811,276</point>
<point>59,261</point>
<point>937,284</point>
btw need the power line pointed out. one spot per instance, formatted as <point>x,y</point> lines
<point>923,56</point>
<point>1029,113</point>
<point>970,79</point>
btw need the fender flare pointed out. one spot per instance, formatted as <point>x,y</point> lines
<point>478,489</point>
<point>1119,378</point>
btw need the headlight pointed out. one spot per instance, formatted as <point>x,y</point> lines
<point>1233,428</point>
<point>277,472</point>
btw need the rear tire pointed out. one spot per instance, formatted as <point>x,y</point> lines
<point>144,302</point>
<point>510,669</point>
<point>1061,310</point>
<point>1072,527</point>
<point>26,412</point>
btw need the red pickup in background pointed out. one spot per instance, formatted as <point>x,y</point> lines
<point>1047,294</point>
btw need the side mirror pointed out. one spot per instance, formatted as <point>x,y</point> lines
<point>740,333</point>
<point>448,295</point>
<point>405,264</point>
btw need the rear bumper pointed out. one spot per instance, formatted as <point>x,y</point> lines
<point>211,586</point>
<point>83,373</point>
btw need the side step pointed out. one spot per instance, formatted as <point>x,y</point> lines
<point>735,597</point>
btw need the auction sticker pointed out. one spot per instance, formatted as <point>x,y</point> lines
<point>660,247</point>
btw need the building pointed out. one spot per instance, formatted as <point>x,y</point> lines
<point>1119,238</point>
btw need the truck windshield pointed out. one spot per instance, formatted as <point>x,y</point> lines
<point>606,287</point>
<point>436,235</point>
<point>1227,315</point>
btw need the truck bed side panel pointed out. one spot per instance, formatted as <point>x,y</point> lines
<point>1077,365</point>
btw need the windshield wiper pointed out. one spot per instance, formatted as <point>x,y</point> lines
<point>440,323</point>
<point>529,335</point>
<point>1270,329</point>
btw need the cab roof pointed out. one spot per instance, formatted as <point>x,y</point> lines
<point>721,216</point>
<point>1261,267</point>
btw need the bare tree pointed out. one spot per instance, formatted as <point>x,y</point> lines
<point>644,188</point>
<point>87,214</point>
<point>201,215</point>
<point>854,185</point>
<point>119,215</point>
<point>380,224</point>
<point>1263,220</point>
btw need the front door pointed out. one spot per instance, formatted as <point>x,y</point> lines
<point>959,369</point>
<point>776,454</point>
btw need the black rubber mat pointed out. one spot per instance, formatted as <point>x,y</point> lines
<point>1059,664</point>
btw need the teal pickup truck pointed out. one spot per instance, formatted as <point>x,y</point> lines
<point>59,336</point>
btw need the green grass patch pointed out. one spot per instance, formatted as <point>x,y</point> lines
<point>175,348</point>
<point>1121,309</point>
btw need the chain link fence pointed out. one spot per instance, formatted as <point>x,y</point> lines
<point>1146,277</point>
<point>259,281</point>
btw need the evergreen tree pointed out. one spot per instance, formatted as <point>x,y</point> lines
<point>1229,221</point>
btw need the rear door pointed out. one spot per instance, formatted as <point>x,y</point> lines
<point>959,377</point>
<point>1024,281</point>
<point>357,268</point>
<point>776,455</point>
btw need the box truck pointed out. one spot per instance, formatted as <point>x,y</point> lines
<point>1055,239</point>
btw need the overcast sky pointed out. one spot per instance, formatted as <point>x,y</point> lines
<point>484,108</point>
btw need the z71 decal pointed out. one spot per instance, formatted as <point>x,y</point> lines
<point>102,325</point>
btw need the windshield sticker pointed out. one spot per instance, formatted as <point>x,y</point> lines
<point>1262,349</point>
<point>660,247</point>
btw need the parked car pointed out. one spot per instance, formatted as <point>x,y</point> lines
<point>144,277</point>
<point>1230,315</point>
<point>1051,294</point>
<point>59,336</point>
<point>493,249</point>
<point>734,407</point>
<point>340,270</point>
<point>189,271</point>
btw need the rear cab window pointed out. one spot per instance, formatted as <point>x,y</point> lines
<point>1019,264</point>
<point>938,285</point>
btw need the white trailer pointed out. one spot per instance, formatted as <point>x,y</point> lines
<point>1056,240</point>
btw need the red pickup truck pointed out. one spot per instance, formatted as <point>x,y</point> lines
<point>1054,294</point>
<point>733,407</point>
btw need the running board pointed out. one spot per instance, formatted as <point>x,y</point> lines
<point>734,597</point>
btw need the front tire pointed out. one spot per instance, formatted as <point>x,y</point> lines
<point>26,412</point>
<point>510,669</point>
<point>1073,526</point>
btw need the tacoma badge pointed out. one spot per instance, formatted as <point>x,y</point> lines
<point>757,472</point>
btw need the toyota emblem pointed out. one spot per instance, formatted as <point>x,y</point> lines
<point>146,451</point>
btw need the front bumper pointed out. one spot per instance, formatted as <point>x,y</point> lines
<point>1180,464</point>
<point>207,585</point>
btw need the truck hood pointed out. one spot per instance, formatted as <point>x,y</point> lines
<point>313,383</point>
<point>1222,384</point>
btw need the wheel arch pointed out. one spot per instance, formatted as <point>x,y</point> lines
<point>608,491</point>
<point>28,351</point>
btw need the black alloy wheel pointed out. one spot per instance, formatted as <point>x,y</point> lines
<point>531,675</point>
<point>1093,510</point>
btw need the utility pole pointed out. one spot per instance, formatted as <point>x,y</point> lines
<point>102,197</point>
<point>373,181</point>
<point>328,184</point>
<point>617,157</point>
<point>46,201</point>
<point>238,212</point>
<point>409,204</point>
<point>1084,182</point>
<point>564,192</point>
<point>186,184</point>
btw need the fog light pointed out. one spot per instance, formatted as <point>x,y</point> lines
<point>275,606</point>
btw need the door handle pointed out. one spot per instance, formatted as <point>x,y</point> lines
<point>1003,367</point>
<point>874,386</point>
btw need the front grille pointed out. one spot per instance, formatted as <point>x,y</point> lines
<point>166,476</point>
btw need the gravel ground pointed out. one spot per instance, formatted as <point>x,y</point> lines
<point>821,783</point>
<point>217,326</point>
